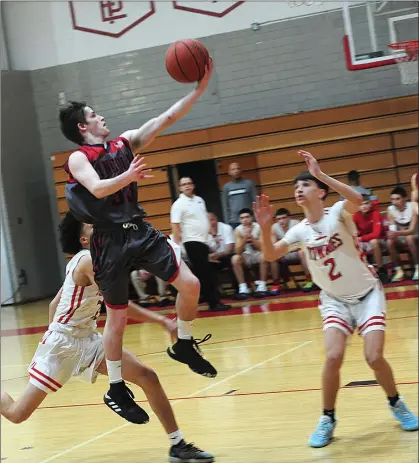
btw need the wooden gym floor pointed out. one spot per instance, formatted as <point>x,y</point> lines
<point>261,408</point>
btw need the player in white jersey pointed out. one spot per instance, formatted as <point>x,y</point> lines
<point>403,233</point>
<point>72,346</point>
<point>351,297</point>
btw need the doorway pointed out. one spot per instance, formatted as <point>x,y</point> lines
<point>204,175</point>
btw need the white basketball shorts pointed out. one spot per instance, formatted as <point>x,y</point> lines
<point>366,315</point>
<point>60,356</point>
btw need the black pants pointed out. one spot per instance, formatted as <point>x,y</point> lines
<point>198,257</point>
<point>225,263</point>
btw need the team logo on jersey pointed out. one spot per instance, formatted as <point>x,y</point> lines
<point>321,251</point>
<point>119,144</point>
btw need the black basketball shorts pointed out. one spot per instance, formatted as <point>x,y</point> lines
<point>119,248</point>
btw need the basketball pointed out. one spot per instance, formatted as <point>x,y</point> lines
<point>186,60</point>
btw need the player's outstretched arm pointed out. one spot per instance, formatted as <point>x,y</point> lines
<point>353,199</point>
<point>143,136</point>
<point>264,212</point>
<point>414,187</point>
<point>143,315</point>
<point>83,172</point>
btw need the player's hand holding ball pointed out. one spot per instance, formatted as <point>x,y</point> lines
<point>188,61</point>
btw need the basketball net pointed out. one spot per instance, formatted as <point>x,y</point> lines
<point>407,63</point>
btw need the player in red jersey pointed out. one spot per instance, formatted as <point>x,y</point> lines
<point>351,297</point>
<point>102,190</point>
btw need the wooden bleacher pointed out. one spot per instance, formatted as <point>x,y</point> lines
<point>379,139</point>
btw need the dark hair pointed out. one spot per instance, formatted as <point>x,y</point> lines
<point>71,115</point>
<point>353,176</point>
<point>366,197</point>
<point>246,210</point>
<point>307,176</point>
<point>70,230</point>
<point>282,211</point>
<point>399,190</point>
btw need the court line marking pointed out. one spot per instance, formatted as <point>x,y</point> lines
<point>277,333</point>
<point>239,394</point>
<point>283,304</point>
<point>200,391</point>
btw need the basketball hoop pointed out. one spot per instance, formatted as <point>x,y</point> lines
<point>406,62</point>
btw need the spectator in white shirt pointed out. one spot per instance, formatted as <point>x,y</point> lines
<point>221,245</point>
<point>247,254</point>
<point>190,226</point>
<point>280,267</point>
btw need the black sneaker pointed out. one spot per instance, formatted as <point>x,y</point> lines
<point>187,351</point>
<point>220,307</point>
<point>120,400</point>
<point>188,453</point>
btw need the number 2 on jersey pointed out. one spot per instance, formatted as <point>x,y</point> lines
<point>333,275</point>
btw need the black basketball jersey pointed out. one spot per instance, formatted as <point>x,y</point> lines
<point>109,160</point>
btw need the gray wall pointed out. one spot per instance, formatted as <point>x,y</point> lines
<point>286,67</point>
<point>25,188</point>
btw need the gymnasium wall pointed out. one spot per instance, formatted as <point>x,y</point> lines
<point>25,188</point>
<point>284,68</point>
<point>155,23</point>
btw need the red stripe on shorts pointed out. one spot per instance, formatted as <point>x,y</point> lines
<point>42,382</point>
<point>377,317</point>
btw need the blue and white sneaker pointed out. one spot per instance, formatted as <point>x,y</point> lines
<point>408,420</point>
<point>323,433</point>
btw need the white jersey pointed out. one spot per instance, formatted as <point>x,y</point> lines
<point>248,247</point>
<point>79,306</point>
<point>333,255</point>
<point>403,218</point>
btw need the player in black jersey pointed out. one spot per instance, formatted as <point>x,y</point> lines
<point>102,190</point>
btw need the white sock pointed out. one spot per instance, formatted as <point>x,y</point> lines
<point>243,288</point>
<point>261,286</point>
<point>175,437</point>
<point>184,329</point>
<point>114,371</point>
<point>417,267</point>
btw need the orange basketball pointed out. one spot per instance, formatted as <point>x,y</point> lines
<point>186,60</point>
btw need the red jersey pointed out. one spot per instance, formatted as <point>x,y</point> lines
<point>370,225</point>
<point>108,160</point>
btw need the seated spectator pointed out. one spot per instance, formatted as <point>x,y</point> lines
<point>221,245</point>
<point>369,224</point>
<point>139,280</point>
<point>279,228</point>
<point>220,241</point>
<point>353,178</point>
<point>403,218</point>
<point>247,254</point>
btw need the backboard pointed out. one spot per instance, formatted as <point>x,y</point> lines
<point>370,26</point>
